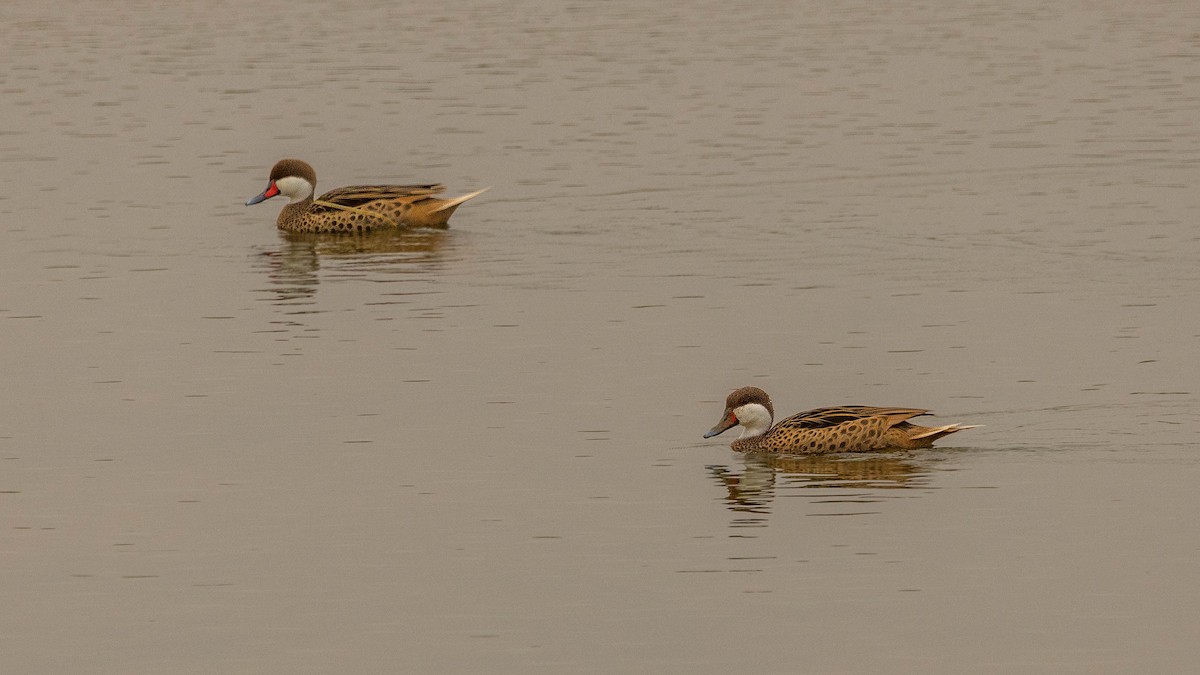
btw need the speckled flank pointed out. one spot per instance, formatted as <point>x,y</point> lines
<point>837,429</point>
<point>862,435</point>
<point>395,212</point>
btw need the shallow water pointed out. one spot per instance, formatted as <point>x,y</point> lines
<point>227,449</point>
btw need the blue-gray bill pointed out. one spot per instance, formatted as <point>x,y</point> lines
<point>726,422</point>
<point>271,191</point>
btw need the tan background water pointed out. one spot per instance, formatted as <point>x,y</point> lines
<point>224,450</point>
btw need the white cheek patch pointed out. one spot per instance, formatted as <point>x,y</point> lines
<point>754,418</point>
<point>295,188</point>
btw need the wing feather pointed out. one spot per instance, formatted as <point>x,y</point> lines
<point>829,417</point>
<point>357,195</point>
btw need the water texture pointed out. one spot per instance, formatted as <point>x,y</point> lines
<point>226,449</point>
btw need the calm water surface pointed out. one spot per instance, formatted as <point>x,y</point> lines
<point>225,449</point>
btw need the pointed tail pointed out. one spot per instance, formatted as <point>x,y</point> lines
<point>931,434</point>
<point>451,203</point>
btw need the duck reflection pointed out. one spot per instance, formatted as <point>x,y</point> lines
<point>761,478</point>
<point>294,267</point>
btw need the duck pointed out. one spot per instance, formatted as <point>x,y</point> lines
<point>847,428</point>
<point>356,208</point>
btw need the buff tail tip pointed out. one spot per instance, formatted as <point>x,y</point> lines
<point>451,203</point>
<point>938,432</point>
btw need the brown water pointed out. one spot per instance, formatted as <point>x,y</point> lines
<point>226,450</point>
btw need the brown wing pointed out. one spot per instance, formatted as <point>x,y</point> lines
<point>830,417</point>
<point>357,195</point>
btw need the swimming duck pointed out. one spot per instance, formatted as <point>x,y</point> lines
<point>357,208</point>
<point>848,428</point>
